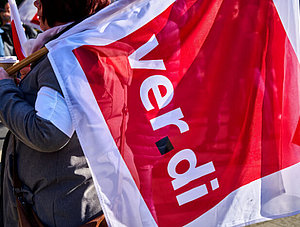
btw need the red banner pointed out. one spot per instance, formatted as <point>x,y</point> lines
<point>212,99</point>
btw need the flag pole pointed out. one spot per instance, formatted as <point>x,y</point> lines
<point>38,54</point>
<point>26,61</point>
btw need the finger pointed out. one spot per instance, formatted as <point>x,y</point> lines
<point>2,71</point>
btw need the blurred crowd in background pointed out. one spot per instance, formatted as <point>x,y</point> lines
<point>6,39</point>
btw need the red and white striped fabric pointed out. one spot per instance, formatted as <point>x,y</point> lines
<point>213,108</point>
<point>18,32</point>
<point>28,13</point>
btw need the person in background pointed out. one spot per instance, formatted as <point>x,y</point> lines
<point>7,31</point>
<point>42,149</point>
<point>1,43</point>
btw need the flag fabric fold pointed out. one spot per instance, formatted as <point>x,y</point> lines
<point>209,93</point>
<point>18,32</point>
<point>28,13</point>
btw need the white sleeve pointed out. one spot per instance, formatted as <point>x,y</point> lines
<point>51,106</point>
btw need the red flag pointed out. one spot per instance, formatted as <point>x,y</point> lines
<point>213,102</point>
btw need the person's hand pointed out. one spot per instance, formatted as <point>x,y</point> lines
<point>4,75</point>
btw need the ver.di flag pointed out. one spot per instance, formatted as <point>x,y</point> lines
<point>209,92</point>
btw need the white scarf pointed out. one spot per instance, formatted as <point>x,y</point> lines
<point>32,45</point>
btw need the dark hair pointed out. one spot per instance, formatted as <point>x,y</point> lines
<point>70,10</point>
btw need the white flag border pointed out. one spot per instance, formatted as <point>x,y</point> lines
<point>288,11</point>
<point>104,149</point>
<point>126,16</point>
<point>99,151</point>
<point>232,208</point>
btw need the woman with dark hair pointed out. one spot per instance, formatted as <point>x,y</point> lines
<point>45,167</point>
<point>57,12</point>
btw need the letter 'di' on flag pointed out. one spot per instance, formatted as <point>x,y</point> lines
<point>186,110</point>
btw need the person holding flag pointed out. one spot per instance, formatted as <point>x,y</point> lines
<point>45,167</point>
